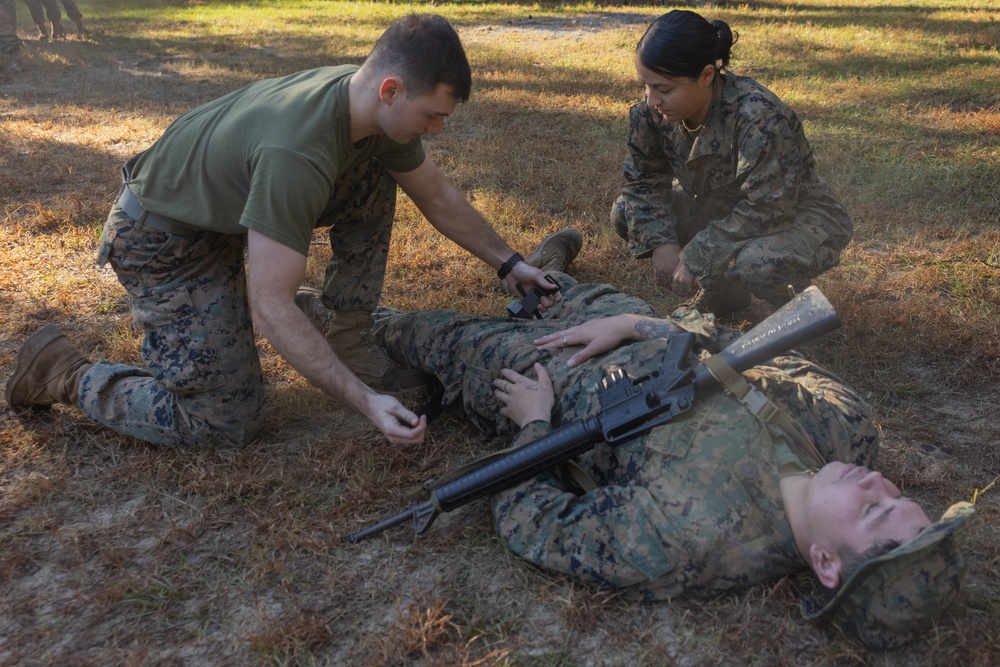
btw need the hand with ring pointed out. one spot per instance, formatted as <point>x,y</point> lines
<point>596,337</point>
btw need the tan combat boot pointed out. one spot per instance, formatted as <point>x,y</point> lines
<point>49,368</point>
<point>554,253</point>
<point>349,335</point>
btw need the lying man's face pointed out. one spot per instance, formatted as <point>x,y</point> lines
<point>852,508</point>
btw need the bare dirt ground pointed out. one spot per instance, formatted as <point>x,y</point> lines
<point>116,553</point>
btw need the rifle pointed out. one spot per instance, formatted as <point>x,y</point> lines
<point>629,408</point>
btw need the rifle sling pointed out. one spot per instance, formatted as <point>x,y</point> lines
<point>760,405</point>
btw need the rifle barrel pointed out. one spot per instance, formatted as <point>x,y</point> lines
<point>521,464</point>
<point>372,531</point>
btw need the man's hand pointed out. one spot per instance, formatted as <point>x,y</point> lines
<point>600,335</point>
<point>391,417</point>
<point>274,272</point>
<point>525,400</point>
<point>527,276</point>
<point>670,271</point>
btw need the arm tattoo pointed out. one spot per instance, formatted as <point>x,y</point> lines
<point>650,328</point>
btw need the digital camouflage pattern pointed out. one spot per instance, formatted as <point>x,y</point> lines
<point>202,384</point>
<point>894,599</point>
<point>359,217</point>
<point>742,198</point>
<point>694,507</point>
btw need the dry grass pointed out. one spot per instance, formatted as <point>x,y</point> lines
<point>114,552</point>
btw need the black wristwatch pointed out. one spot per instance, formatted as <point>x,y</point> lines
<point>506,267</point>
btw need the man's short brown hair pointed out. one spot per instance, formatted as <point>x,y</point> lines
<point>424,51</point>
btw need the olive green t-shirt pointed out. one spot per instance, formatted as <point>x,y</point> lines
<point>264,157</point>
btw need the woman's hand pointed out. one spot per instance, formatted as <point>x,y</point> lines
<point>670,270</point>
<point>525,400</point>
<point>683,280</point>
<point>596,337</point>
<point>665,261</point>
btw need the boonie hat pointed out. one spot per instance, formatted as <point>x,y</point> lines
<point>892,599</point>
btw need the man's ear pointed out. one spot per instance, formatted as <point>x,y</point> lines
<point>391,88</point>
<point>825,565</point>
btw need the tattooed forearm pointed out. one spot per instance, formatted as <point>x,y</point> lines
<point>649,328</point>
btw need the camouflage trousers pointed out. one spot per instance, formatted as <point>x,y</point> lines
<point>40,9</point>
<point>359,217</point>
<point>202,383</point>
<point>10,43</point>
<point>764,266</point>
<point>467,352</point>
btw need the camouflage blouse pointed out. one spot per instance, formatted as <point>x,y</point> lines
<point>748,173</point>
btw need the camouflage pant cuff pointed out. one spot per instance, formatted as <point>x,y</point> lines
<point>10,44</point>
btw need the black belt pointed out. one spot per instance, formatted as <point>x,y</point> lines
<point>128,203</point>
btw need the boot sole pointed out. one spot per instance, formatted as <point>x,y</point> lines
<point>535,258</point>
<point>31,348</point>
<point>569,234</point>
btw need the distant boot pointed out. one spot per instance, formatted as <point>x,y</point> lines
<point>43,32</point>
<point>57,30</point>
<point>10,60</point>
<point>349,335</point>
<point>49,368</point>
<point>80,28</point>
<point>554,253</point>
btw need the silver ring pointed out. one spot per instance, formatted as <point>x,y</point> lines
<point>564,340</point>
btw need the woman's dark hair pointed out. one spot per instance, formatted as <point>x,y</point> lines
<point>681,43</point>
<point>425,51</point>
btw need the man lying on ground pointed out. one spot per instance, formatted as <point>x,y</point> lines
<point>718,499</point>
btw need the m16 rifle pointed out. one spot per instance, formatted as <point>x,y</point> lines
<point>630,407</point>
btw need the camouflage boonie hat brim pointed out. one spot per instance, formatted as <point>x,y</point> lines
<point>892,599</point>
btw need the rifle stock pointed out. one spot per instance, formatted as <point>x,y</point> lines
<point>629,409</point>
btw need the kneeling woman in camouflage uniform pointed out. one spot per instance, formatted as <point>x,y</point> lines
<point>721,185</point>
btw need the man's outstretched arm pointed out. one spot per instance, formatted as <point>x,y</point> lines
<point>274,273</point>
<point>450,212</point>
